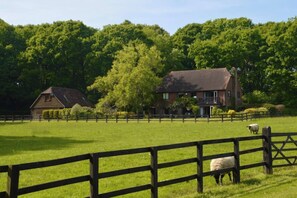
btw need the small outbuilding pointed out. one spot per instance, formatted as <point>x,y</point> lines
<point>58,98</point>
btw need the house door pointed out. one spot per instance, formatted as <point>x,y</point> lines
<point>205,111</point>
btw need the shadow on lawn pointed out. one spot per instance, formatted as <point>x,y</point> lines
<point>13,145</point>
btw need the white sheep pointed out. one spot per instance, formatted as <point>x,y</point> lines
<point>253,128</point>
<point>219,164</point>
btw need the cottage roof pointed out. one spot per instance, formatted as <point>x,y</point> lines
<point>68,97</point>
<point>195,80</point>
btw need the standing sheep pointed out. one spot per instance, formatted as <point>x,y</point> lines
<point>219,164</point>
<point>253,128</point>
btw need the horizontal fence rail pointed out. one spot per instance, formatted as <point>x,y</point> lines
<point>95,175</point>
<point>141,118</point>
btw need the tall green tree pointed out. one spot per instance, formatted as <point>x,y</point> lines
<point>183,39</point>
<point>108,41</point>
<point>56,55</point>
<point>281,70</point>
<point>10,47</point>
<point>131,82</point>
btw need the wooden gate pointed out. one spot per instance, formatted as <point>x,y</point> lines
<point>283,145</point>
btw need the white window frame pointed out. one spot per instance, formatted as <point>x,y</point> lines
<point>165,96</point>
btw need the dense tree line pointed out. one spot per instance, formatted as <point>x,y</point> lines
<point>122,64</point>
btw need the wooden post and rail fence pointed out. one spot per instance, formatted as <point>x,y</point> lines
<point>224,117</point>
<point>272,151</point>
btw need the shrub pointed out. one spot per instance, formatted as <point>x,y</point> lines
<point>250,110</point>
<point>56,113</point>
<point>75,110</point>
<point>280,108</point>
<point>271,108</point>
<point>262,110</point>
<point>216,111</point>
<point>51,113</point>
<point>124,114</point>
<point>195,109</point>
<point>231,113</point>
<point>45,114</point>
<point>65,112</point>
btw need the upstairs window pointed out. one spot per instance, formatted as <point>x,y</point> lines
<point>165,96</point>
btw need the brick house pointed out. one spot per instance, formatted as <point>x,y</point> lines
<point>58,98</point>
<point>210,87</point>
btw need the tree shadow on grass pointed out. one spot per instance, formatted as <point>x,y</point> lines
<point>13,145</point>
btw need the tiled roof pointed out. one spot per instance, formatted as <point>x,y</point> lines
<point>68,97</point>
<point>195,80</point>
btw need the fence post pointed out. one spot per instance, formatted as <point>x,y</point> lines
<point>96,118</point>
<point>106,118</point>
<point>199,167</point>
<point>267,153</point>
<point>116,117</point>
<point>148,118</point>
<point>94,176</point>
<point>171,118</point>
<point>222,117</point>
<point>154,172</point>
<point>127,118</point>
<point>13,181</point>
<point>236,172</point>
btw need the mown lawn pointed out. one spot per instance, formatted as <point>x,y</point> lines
<point>37,141</point>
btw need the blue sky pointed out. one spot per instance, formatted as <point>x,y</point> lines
<point>168,14</point>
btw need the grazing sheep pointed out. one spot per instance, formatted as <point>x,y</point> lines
<point>254,128</point>
<point>221,163</point>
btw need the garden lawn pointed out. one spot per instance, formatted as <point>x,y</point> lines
<point>38,141</point>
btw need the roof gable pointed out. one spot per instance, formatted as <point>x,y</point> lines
<point>195,80</point>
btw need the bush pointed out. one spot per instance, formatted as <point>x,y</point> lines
<point>45,114</point>
<point>64,113</point>
<point>75,110</point>
<point>216,111</point>
<point>51,113</point>
<point>250,110</point>
<point>56,114</point>
<point>124,114</point>
<point>280,108</point>
<point>271,108</point>
<point>231,113</point>
<point>195,109</point>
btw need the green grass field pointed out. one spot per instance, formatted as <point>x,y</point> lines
<point>37,141</point>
